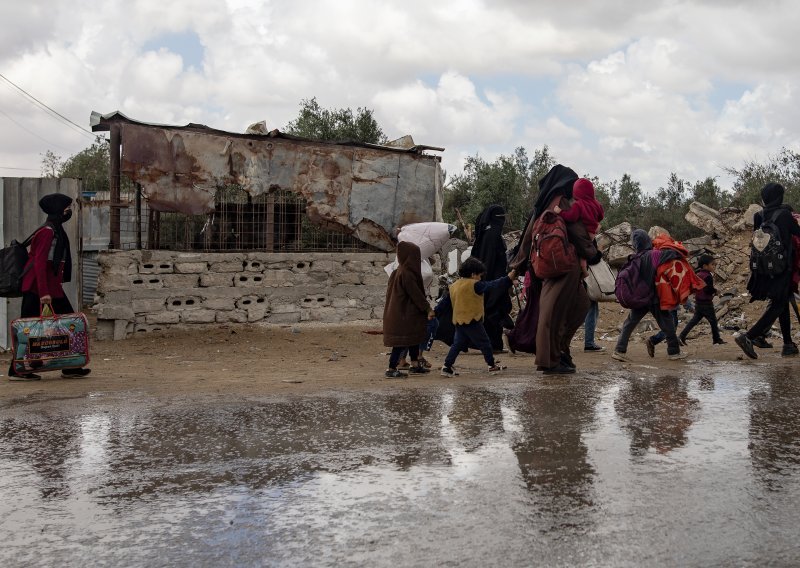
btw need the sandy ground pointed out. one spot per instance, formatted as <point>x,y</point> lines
<point>307,358</point>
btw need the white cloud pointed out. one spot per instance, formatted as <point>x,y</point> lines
<point>646,88</point>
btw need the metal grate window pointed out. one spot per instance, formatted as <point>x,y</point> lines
<point>274,222</point>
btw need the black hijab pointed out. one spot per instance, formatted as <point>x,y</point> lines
<point>772,197</point>
<point>54,204</point>
<point>489,246</point>
<point>558,181</point>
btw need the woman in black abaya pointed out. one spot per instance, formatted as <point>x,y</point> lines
<point>490,249</point>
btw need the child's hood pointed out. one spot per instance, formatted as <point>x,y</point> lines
<point>409,255</point>
<point>583,189</point>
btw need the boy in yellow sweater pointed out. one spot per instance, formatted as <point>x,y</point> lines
<point>466,297</point>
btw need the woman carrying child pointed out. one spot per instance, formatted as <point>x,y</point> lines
<point>406,311</point>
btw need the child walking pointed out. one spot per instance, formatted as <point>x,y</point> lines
<point>466,297</point>
<point>704,301</point>
<point>406,311</point>
<point>585,209</point>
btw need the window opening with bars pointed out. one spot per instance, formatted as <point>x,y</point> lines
<point>272,222</point>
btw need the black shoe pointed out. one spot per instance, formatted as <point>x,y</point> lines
<point>566,360</point>
<point>789,350</point>
<point>651,347</point>
<point>559,369</point>
<point>682,340</point>
<point>593,348</point>
<point>761,343</point>
<point>746,345</point>
<point>419,370</point>
<point>24,378</point>
<point>75,373</point>
<point>721,341</point>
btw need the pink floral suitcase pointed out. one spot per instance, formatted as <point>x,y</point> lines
<point>50,343</point>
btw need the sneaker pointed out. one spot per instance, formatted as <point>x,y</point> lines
<point>619,356</point>
<point>448,372</point>
<point>496,368</point>
<point>720,342</point>
<point>651,347</point>
<point>678,356</point>
<point>746,345</point>
<point>424,362</point>
<point>419,370</point>
<point>559,369</point>
<point>75,373</point>
<point>394,374</point>
<point>594,349</point>
<point>25,378</point>
<point>761,343</point>
<point>789,350</point>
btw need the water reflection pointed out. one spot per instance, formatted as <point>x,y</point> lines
<point>551,452</point>
<point>47,446</point>
<point>477,417</point>
<point>775,429</point>
<point>656,413</point>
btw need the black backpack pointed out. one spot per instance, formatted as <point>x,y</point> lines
<point>767,253</point>
<point>13,259</point>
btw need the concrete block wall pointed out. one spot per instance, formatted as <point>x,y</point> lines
<point>141,291</point>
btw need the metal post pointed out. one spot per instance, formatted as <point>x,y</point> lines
<point>138,216</point>
<point>114,166</point>
<point>270,228</point>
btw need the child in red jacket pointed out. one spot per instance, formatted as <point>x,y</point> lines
<point>585,209</point>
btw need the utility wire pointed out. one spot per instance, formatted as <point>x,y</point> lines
<point>23,169</point>
<point>31,132</point>
<point>45,107</point>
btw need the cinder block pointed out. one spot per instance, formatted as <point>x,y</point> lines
<point>316,301</point>
<point>257,312</point>
<point>330,315</point>
<point>156,267</point>
<point>284,317</point>
<point>114,312</point>
<point>148,281</point>
<point>143,305</point>
<point>163,318</point>
<point>254,266</point>
<point>277,278</point>
<point>190,267</point>
<point>229,266</point>
<point>248,280</point>
<point>210,279</point>
<point>347,278</point>
<point>198,316</point>
<point>219,303</point>
<point>247,302</point>
<point>184,303</point>
<point>104,330</point>
<point>181,281</point>
<point>285,309</point>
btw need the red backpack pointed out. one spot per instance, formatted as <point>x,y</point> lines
<point>552,255</point>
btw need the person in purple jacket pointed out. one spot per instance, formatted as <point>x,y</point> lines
<point>704,301</point>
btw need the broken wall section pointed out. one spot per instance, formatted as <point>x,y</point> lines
<point>141,291</point>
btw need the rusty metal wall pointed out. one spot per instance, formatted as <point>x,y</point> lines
<point>19,200</point>
<point>363,191</point>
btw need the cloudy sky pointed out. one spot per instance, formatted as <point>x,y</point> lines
<point>612,86</point>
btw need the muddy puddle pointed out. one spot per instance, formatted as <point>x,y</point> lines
<point>631,471</point>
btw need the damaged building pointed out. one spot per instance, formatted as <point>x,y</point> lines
<point>208,226</point>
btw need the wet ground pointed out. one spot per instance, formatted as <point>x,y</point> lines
<point>701,469</point>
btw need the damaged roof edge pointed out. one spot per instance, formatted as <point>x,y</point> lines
<point>102,123</point>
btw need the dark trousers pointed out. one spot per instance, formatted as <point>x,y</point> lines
<point>471,333</point>
<point>661,336</point>
<point>397,352</point>
<point>703,311</point>
<point>776,310</point>
<point>431,328</point>
<point>663,319</point>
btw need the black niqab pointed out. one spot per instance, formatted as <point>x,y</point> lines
<point>558,181</point>
<point>489,246</point>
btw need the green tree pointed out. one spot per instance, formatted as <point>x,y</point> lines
<point>708,192</point>
<point>90,165</point>
<point>342,124</point>
<point>51,164</point>
<point>783,168</point>
<point>509,181</point>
